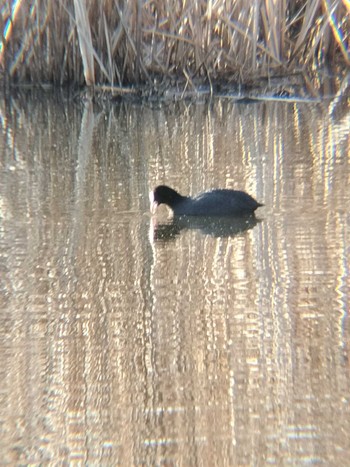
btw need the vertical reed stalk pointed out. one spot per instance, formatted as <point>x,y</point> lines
<point>85,40</point>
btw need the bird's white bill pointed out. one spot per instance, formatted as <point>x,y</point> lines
<point>153,203</point>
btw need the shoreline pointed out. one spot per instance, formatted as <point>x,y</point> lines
<point>295,87</point>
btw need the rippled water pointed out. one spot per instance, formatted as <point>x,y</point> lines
<point>132,340</point>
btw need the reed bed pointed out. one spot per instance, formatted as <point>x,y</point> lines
<point>122,43</point>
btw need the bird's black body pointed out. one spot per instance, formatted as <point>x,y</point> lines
<point>218,202</point>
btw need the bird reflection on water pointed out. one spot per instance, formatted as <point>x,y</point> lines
<point>212,226</point>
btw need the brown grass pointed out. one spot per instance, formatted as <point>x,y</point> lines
<point>115,42</point>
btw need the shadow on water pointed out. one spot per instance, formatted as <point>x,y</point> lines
<point>213,226</point>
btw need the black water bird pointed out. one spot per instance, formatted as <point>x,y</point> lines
<point>218,202</point>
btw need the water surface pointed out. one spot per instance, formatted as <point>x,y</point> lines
<point>132,340</point>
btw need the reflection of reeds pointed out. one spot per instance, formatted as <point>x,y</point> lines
<point>126,42</point>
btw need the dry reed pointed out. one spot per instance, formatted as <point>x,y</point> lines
<point>116,42</point>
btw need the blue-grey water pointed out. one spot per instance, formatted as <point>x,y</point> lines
<point>127,339</point>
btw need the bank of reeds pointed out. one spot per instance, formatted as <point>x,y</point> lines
<point>119,43</point>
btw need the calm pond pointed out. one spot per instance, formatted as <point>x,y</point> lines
<point>127,339</point>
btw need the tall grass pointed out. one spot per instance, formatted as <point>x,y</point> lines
<point>118,42</point>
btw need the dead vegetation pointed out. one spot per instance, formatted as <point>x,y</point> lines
<point>119,43</point>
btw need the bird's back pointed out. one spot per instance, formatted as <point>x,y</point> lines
<point>218,202</point>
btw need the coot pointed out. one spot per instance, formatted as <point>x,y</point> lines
<point>219,202</point>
